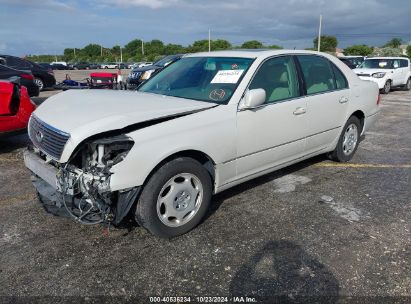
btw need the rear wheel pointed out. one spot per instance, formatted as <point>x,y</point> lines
<point>175,198</point>
<point>407,86</point>
<point>387,87</point>
<point>348,141</point>
<point>39,82</point>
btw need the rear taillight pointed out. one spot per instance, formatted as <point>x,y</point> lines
<point>27,76</point>
<point>378,99</point>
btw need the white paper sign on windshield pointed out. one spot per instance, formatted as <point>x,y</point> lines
<point>227,76</point>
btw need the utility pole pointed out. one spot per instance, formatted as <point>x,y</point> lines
<point>74,53</point>
<point>121,54</point>
<point>209,40</point>
<point>101,51</point>
<point>319,34</point>
<point>142,47</point>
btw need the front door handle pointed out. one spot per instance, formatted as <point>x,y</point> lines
<point>343,99</point>
<point>299,111</point>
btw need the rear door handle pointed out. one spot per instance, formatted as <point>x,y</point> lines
<point>299,111</point>
<point>343,99</point>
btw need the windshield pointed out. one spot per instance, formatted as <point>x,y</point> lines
<point>377,64</point>
<point>210,79</point>
<point>163,62</point>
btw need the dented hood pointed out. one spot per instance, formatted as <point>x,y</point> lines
<point>83,113</point>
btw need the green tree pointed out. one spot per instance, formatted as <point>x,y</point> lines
<point>252,44</point>
<point>171,49</point>
<point>360,50</point>
<point>90,50</point>
<point>154,47</point>
<point>198,46</point>
<point>394,43</point>
<point>133,48</point>
<point>220,44</point>
<point>328,43</point>
<point>275,47</point>
<point>115,50</point>
<point>387,52</point>
<point>409,51</point>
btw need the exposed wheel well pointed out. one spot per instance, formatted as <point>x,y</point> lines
<point>199,156</point>
<point>360,115</point>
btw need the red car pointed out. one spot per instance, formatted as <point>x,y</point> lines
<point>15,107</point>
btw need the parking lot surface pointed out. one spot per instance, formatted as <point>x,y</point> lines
<point>316,229</point>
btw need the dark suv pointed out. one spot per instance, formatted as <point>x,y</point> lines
<point>139,75</point>
<point>42,77</point>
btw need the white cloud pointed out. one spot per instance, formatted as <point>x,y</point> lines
<point>154,4</point>
<point>3,47</point>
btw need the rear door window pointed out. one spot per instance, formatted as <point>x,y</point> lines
<point>340,80</point>
<point>317,73</point>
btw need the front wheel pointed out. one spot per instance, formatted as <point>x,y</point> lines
<point>175,198</point>
<point>348,141</point>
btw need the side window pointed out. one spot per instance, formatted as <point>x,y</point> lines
<point>17,62</point>
<point>404,63</point>
<point>396,64</point>
<point>317,74</point>
<point>278,77</point>
<point>340,80</point>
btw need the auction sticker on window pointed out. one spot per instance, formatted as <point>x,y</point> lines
<point>227,76</point>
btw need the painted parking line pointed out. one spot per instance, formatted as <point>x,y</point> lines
<point>339,165</point>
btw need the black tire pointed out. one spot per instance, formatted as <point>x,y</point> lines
<point>387,87</point>
<point>338,154</point>
<point>407,86</point>
<point>39,82</point>
<point>146,210</point>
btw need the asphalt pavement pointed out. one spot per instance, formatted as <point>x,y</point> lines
<point>317,230</point>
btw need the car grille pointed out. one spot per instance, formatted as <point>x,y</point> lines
<point>135,74</point>
<point>48,139</point>
<point>364,75</point>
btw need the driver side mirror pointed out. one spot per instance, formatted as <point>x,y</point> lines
<point>253,98</point>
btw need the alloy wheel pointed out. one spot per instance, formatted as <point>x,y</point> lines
<point>350,139</point>
<point>179,199</point>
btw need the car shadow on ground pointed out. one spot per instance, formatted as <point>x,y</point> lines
<point>129,224</point>
<point>220,198</point>
<point>39,100</point>
<point>11,143</point>
<point>282,272</point>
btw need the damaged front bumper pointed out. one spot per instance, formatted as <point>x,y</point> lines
<point>73,192</point>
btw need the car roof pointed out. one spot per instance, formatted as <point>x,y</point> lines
<point>252,53</point>
<point>387,58</point>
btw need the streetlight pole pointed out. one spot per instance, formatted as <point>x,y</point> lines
<point>121,54</point>
<point>209,40</point>
<point>142,47</point>
<point>319,34</point>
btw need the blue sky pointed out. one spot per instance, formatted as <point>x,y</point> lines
<point>49,26</point>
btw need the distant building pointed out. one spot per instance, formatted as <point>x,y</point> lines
<point>403,48</point>
<point>339,52</point>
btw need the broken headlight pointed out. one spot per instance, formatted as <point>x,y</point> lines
<point>107,152</point>
<point>86,178</point>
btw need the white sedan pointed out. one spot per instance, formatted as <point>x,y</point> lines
<point>204,124</point>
